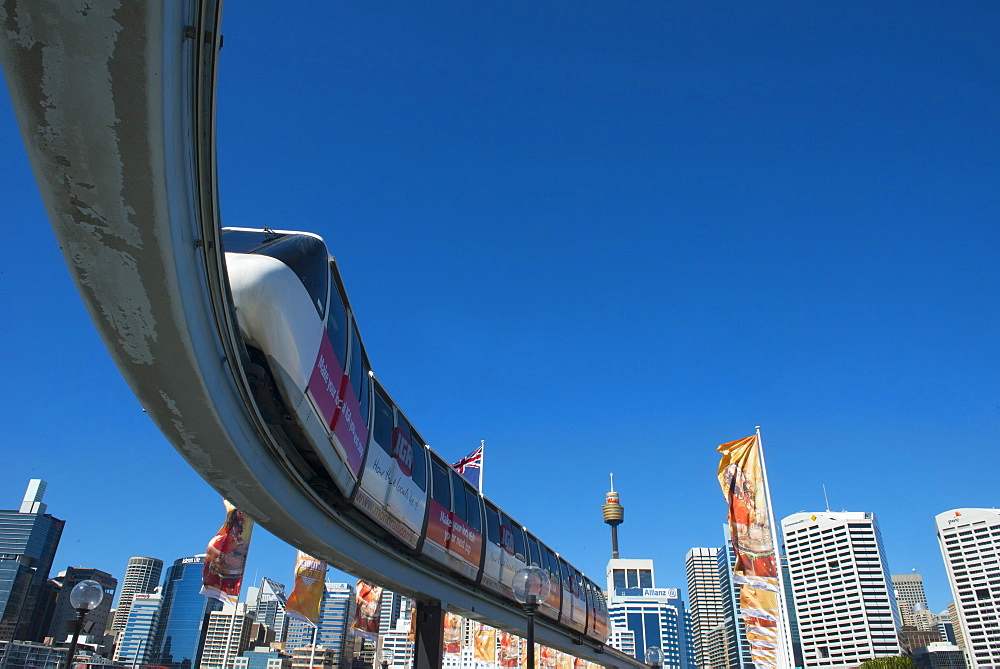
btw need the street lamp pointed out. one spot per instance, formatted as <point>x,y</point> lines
<point>84,597</point>
<point>386,657</point>
<point>531,587</point>
<point>654,657</point>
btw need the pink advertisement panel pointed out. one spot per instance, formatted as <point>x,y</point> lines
<point>337,404</point>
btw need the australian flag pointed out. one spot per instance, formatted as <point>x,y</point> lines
<point>471,467</point>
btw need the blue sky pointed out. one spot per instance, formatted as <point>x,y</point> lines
<point>604,237</point>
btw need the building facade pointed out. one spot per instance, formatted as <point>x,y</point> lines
<point>64,616</point>
<point>180,632</point>
<point>29,538</point>
<point>643,616</point>
<point>910,599</point>
<point>970,547</point>
<point>268,607</point>
<point>705,600</point>
<point>842,589</point>
<point>135,640</point>
<point>226,638</point>
<point>142,575</point>
<point>336,614</point>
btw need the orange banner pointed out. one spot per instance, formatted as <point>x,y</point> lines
<point>741,476</point>
<point>307,595</point>
<point>226,557</point>
<point>485,648</point>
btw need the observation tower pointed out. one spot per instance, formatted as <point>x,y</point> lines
<point>614,515</point>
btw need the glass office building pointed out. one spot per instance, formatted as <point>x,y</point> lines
<point>183,616</point>
<point>29,538</point>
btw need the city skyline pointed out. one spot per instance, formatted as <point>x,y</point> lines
<point>786,219</point>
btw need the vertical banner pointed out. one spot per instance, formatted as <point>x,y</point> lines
<point>546,658</point>
<point>367,606</point>
<point>509,647</point>
<point>452,634</point>
<point>226,557</point>
<point>485,645</point>
<point>307,594</point>
<point>756,570</point>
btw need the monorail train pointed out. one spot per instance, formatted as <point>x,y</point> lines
<point>352,443</point>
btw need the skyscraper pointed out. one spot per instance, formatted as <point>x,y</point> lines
<point>28,541</point>
<point>183,622</point>
<point>910,597</point>
<point>141,576</point>
<point>268,606</point>
<point>737,650</point>
<point>643,616</point>
<point>970,547</point>
<point>840,580</point>
<point>335,615</point>
<point>705,599</point>
<point>135,641</point>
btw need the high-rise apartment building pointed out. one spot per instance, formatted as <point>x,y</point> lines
<point>970,546</point>
<point>705,600</point>
<point>643,616</point>
<point>183,622</point>
<point>142,575</point>
<point>335,616</point>
<point>28,541</point>
<point>64,616</point>
<point>227,636</point>
<point>736,650</point>
<point>842,590</point>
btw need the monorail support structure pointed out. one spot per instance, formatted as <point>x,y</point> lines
<point>429,635</point>
<point>115,103</point>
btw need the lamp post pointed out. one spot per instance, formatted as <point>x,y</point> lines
<point>654,657</point>
<point>84,597</point>
<point>531,586</point>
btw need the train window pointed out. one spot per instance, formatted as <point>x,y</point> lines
<point>534,558</point>
<point>336,327</point>
<point>419,461</point>
<point>458,490</point>
<point>440,488</point>
<point>551,565</point>
<point>358,375</point>
<point>565,576</point>
<point>472,513</point>
<point>520,550</point>
<point>492,524</point>
<point>383,422</point>
<point>307,257</point>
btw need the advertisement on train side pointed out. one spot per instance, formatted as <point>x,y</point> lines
<point>336,402</point>
<point>452,533</point>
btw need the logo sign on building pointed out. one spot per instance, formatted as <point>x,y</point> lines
<point>669,593</point>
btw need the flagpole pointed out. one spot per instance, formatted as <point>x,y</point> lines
<point>786,632</point>
<point>482,463</point>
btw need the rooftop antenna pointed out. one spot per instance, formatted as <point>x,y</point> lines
<point>826,498</point>
<point>614,515</point>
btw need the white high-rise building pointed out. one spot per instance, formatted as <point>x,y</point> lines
<point>841,585</point>
<point>705,600</point>
<point>136,637</point>
<point>970,546</point>
<point>227,636</point>
<point>142,575</point>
